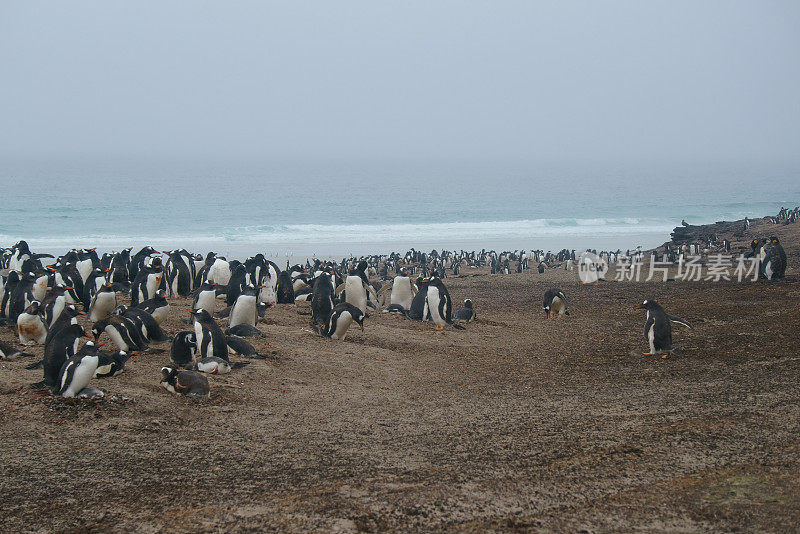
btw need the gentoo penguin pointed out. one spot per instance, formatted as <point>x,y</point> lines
<point>96,280</point>
<point>244,330</point>
<point>148,326</point>
<point>242,347</point>
<point>340,320</point>
<point>30,325</point>
<point>21,296</point>
<point>147,282</point>
<point>110,365</point>
<point>209,337</point>
<point>156,306</point>
<point>179,271</point>
<point>122,331</point>
<point>68,316</point>
<point>219,272</point>
<point>419,304</point>
<point>555,303</point>
<point>53,304</point>
<point>76,373</point>
<point>244,309</point>
<point>439,304</point>
<point>285,289</point>
<point>138,261</point>
<point>658,328</point>
<point>189,383</point>
<point>40,286</point>
<point>216,366</point>
<point>466,313</point>
<point>356,286</point>
<point>58,351</point>
<point>402,290</point>
<point>206,297</point>
<point>8,352</point>
<point>183,348</point>
<point>322,299</point>
<point>103,303</point>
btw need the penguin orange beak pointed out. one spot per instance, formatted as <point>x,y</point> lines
<point>134,353</point>
<point>362,326</point>
<point>81,313</point>
<point>101,343</point>
<point>69,287</point>
<point>87,336</point>
<point>638,307</point>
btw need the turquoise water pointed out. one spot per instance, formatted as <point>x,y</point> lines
<point>336,208</point>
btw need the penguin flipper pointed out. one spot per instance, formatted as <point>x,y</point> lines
<point>457,326</point>
<point>679,320</point>
<point>35,365</point>
<point>236,365</point>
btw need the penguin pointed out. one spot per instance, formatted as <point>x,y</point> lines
<point>58,351</point>
<point>76,373</point>
<point>403,290</point>
<point>439,304</point>
<point>244,309</point>
<point>243,347</point>
<point>156,306</point>
<point>179,271</point>
<point>244,330</point>
<point>555,303</point>
<point>466,313</point>
<point>147,282</point>
<point>110,365</point>
<point>285,289</point>
<point>189,383</point>
<point>340,320</point>
<point>419,307</point>
<point>21,296</point>
<point>7,352</point>
<point>120,268</point>
<point>68,316</point>
<point>396,308</point>
<point>322,299</point>
<point>53,304</point>
<point>30,325</point>
<point>219,272</point>
<point>205,297</point>
<point>148,326</point>
<point>658,328</point>
<point>137,262</point>
<point>183,348</point>
<point>209,337</point>
<point>777,256</point>
<point>94,282</point>
<point>122,331</point>
<point>40,286</point>
<point>103,303</point>
<point>216,366</point>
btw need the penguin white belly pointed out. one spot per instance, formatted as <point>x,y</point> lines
<point>244,311</point>
<point>206,300</point>
<point>83,374</point>
<point>39,289</point>
<point>433,301</point>
<point>102,370</point>
<point>99,282</point>
<point>58,307</point>
<point>220,272</point>
<point>104,304</point>
<point>355,293</point>
<point>298,284</point>
<point>85,269</point>
<point>31,329</point>
<point>153,282</point>
<point>115,336</point>
<point>342,324</point>
<point>188,263</point>
<point>267,294</point>
<point>160,313</point>
<point>557,306</point>
<point>198,334</point>
<point>401,292</point>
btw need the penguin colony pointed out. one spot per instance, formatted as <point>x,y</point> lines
<point>127,298</point>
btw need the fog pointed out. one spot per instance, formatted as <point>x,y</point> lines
<point>523,81</point>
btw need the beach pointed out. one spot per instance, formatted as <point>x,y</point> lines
<point>517,423</point>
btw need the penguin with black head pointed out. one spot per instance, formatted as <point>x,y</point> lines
<point>555,303</point>
<point>439,304</point>
<point>339,321</point>
<point>322,298</point>
<point>209,337</point>
<point>188,383</point>
<point>658,328</point>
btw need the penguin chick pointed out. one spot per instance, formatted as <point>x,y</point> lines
<point>466,313</point>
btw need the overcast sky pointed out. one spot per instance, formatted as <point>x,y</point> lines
<point>413,80</point>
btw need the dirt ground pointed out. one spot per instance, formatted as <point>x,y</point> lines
<point>517,423</point>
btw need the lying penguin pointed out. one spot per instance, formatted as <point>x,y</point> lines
<point>658,327</point>
<point>189,383</point>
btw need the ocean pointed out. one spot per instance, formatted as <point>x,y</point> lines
<point>333,209</point>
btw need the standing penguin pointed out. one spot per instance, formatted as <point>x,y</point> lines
<point>147,282</point>
<point>205,297</point>
<point>777,265</point>
<point>31,326</point>
<point>419,304</point>
<point>103,303</point>
<point>555,303</point>
<point>184,345</point>
<point>340,320</point>
<point>658,328</point>
<point>285,289</point>
<point>244,309</point>
<point>322,298</point>
<point>402,290</point>
<point>76,373</point>
<point>122,331</point>
<point>59,350</point>
<point>439,304</point>
<point>210,339</point>
<point>68,316</point>
<point>156,306</point>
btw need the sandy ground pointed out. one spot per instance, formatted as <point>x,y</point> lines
<point>517,423</point>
